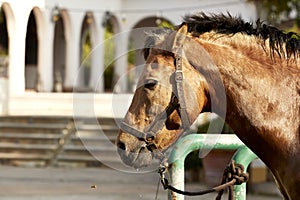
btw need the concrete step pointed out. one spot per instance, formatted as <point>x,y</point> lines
<point>32,139</point>
<point>32,136</point>
<point>26,147</point>
<point>99,121</point>
<point>35,119</point>
<point>97,128</point>
<point>21,156</point>
<point>8,127</point>
<point>25,139</point>
<point>33,125</point>
<point>85,148</point>
<point>86,161</point>
<point>96,136</point>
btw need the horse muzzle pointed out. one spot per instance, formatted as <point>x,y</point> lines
<point>133,151</point>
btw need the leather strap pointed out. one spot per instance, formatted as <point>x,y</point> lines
<point>180,91</point>
<point>133,131</point>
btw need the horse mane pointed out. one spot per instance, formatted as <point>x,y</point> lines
<point>282,43</point>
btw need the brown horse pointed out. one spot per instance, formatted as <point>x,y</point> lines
<point>186,71</point>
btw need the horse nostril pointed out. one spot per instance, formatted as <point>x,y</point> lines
<point>121,146</point>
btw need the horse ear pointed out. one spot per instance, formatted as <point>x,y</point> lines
<point>179,37</point>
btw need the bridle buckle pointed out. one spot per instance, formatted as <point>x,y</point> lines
<point>178,76</point>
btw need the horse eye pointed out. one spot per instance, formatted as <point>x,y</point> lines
<point>150,84</point>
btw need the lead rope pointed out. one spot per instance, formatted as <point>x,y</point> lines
<point>157,189</point>
<point>233,175</point>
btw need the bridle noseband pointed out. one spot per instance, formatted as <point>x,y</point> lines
<point>177,102</point>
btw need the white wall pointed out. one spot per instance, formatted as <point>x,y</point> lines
<point>127,13</point>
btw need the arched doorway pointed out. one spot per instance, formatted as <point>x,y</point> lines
<point>4,61</point>
<point>136,43</point>
<point>110,25</point>
<point>85,53</point>
<point>59,55</point>
<point>3,45</point>
<point>31,54</point>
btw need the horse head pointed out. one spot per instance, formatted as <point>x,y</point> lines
<point>170,95</point>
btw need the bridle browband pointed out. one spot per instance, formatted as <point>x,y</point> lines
<point>177,102</point>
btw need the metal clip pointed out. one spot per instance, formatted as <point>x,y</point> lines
<point>163,180</point>
<point>178,76</point>
<point>162,170</point>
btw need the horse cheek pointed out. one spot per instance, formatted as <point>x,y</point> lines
<point>173,121</point>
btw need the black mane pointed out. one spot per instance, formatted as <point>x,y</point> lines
<point>283,43</point>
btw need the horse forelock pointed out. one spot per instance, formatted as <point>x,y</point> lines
<point>154,38</point>
<point>284,44</point>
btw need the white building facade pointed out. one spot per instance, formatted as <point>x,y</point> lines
<point>45,39</point>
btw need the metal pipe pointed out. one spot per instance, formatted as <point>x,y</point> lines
<point>206,142</point>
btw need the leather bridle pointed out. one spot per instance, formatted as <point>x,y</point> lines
<point>177,102</point>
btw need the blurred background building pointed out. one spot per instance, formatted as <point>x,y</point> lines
<point>58,46</point>
<point>51,48</point>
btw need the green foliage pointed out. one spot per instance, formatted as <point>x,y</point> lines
<point>165,24</point>
<point>109,48</point>
<point>131,54</point>
<point>276,8</point>
<point>1,16</point>
<point>294,29</point>
<point>3,35</point>
<point>109,55</point>
<point>86,49</point>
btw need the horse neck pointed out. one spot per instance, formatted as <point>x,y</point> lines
<point>258,96</point>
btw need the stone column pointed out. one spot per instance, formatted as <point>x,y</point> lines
<point>73,34</point>
<point>17,35</point>
<point>3,96</point>
<point>45,54</point>
<point>97,56</point>
<point>121,62</point>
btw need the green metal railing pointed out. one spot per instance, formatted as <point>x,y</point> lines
<point>193,142</point>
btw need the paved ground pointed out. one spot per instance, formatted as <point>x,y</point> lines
<point>89,184</point>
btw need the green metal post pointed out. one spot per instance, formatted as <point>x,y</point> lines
<point>243,156</point>
<point>193,142</point>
